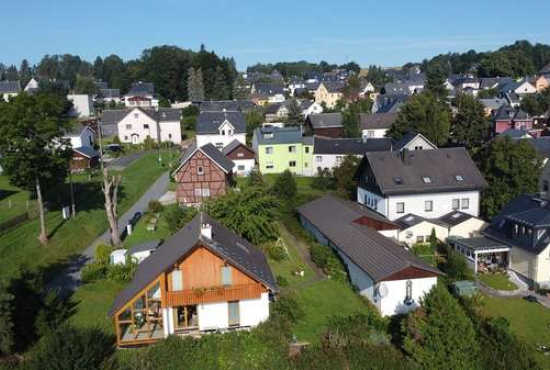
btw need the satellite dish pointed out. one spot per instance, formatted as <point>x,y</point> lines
<point>383,290</point>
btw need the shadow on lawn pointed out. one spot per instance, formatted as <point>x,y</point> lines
<point>6,193</point>
<point>88,196</point>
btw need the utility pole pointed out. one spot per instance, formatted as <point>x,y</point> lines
<point>158,135</point>
<point>73,206</point>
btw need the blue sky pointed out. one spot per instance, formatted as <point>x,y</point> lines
<point>366,31</point>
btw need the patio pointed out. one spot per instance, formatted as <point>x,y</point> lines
<point>482,253</point>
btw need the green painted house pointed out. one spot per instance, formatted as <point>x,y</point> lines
<point>281,148</point>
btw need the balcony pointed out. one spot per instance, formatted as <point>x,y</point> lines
<point>214,294</point>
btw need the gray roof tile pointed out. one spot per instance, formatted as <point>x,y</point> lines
<point>209,122</point>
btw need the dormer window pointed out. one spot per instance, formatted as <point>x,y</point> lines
<point>459,178</point>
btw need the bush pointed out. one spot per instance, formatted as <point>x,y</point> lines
<point>93,272</point>
<point>176,216</point>
<point>285,187</point>
<point>282,282</point>
<point>456,268</point>
<point>155,206</point>
<point>71,348</point>
<point>55,311</point>
<point>277,253</point>
<point>325,258</point>
<point>116,140</point>
<point>287,307</point>
<point>323,180</point>
<point>122,273</point>
<point>102,254</point>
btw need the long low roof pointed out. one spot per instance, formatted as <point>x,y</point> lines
<point>378,256</point>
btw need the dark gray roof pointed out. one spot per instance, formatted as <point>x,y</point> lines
<point>349,146</point>
<point>281,135</point>
<point>334,86</point>
<point>273,108</point>
<point>407,138</point>
<point>109,93</point>
<point>450,219</point>
<point>141,89</point>
<point>515,134</point>
<point>210,151</point>
<point>225,243</point>
<point>145,246</point>
<point>325,120</point>
<point>162,115</point>
<point>480,243</point>
<point>9,87</point>
<point>505,113</point>
<point>209,122</point>
<point>455,218</point>
<point>87,151</point>
<point>228,105</point>
<point>377,120</point>
<point>378,256</point>
<point>410,220</point>
<point>390,103</point>
<point>268,89</point>
<point>234,145</point>
<point>542,145</point>
<point>101,85</point>
<point>493,103</point>
<point>447,169</point>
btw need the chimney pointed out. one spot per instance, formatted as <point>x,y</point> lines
<point>206,231</point>
<point>406,156</point>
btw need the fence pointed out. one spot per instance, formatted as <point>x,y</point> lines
<point>15,213</point>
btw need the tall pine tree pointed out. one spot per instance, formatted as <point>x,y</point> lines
<point>220,88</point>
<point>195,86</point>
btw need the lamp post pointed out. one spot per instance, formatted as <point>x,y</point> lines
<point>158,135</point>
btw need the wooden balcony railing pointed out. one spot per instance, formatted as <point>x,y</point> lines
<point>214,294</point>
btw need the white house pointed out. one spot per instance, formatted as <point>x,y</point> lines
<point>243,157</point>
<point>203,279</point>
<point>329,153</point>
<point>310,107</point>
<point>426,183</point>
<point>141,94</point>
<point>220,128</point>
<point>412,141</point>
<point>376,125</point>
<point>32,85</point>
<point>389,276</point>
<point>81,135</point>
<point>9,89</point>
<point>83,105</point>
<point>135,125</point>
<point>141,251</point>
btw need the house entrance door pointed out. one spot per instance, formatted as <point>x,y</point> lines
<point>186,317</point>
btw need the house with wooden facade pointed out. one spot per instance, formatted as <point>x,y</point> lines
<point>325,124</point>
<point>84,158</point>
<point>203,279</point>
<point>203,172</point>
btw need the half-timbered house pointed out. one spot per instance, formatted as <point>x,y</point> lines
<point>203,173</point>
<point>203,279</point>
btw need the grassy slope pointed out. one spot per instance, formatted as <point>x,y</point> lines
<point>20,246</point>
<point>528,320</point>
<point>16,196</point>
<point>497,281</point>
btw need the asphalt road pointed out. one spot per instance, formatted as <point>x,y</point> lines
<point>68,280</point>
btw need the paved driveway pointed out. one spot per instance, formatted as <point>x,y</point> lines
<point>69,279</point>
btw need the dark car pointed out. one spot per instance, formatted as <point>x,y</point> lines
<point>135,218</point>
<point>531,298</point>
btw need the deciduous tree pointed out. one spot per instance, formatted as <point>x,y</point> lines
<point>470,126</point>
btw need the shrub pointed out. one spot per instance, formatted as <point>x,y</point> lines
<point>325,258</point>
<point>116,140</point>
<point>149,143</point>
<point>155,206</point>
<point>285,187</point>
<point>282,282</point>
<point>122,273</point>
<point>287,307</point>
<point>93,272</point>
<point>102,254</point>
<point>277,253</point>
<point>55,311</point>
<point>176,216</point>
<point>323,180</point>
<point>71,348</point>
<point>456,268</point>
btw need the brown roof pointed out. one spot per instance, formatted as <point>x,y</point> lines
<point>378,256</point>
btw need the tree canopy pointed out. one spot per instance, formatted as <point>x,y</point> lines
<point>470,125</point>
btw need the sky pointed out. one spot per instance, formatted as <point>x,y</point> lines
<point>382,32</point>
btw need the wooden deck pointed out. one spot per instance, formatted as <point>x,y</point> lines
<point>218,294</point>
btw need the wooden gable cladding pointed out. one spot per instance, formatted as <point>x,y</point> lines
<point>241,152</point>
<point>203,269</point>
<point>199,179</point>
<point>410,273</point>
<point>376,224</point>
<point>202,281</point>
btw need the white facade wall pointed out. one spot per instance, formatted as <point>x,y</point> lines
<point>220,141</point>
<point>137,126</point>
<point>363,282</point>
<point>8,96</point>
<point>243,167</point>
<point>422,230</point>
<point>254,311</point>
<point>170,131</point>
<point>82,105</point>
<point>329,161</point>
<point>442,203</point>
<point>86,138</point>
<point>468,228</point>
<point>419,143</point>
<point>213,316</point>
<point>374,133</point>
<point>394,302</point>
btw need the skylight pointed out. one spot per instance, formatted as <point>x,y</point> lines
<point>398,180</point>
<point>426,180</point>
<point>459,178</point>
<point>456,215</point>
<point>409,218</point>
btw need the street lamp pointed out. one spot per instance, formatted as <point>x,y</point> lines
<point>158,135</point>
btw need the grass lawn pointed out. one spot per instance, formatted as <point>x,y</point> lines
<point>426,252</point>
<point>20,246</point>
<point>322,300</point>
<point>93,302</point>
<point>13,201</point>
<point>497,281</point>
<point>527,319</point>
<point>140,233</point>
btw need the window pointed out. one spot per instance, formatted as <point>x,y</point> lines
<point>233,313</point>
<point>205,192</point>
<point>240,167</point>
<point>128,127</point>
<point>459,178</point>
<point>370,134</point>
<point>426,180</point>
<point>409,292</point>
<point>240,155</point>
<point>456,204</point>
<point>268,150</point>
<point>125,137</point>
<point>177,280</point>
<point>428,206</point>
<point>292,164</point>
<point>400,207</point>
<point>338,160</point>
<point>465,203</point>
<point>418,148</point>
<point>292,149</point>
<point>420,239</point>
<point>307,149</point>
<point>200,170</point>
<point>136,116</point>
<point>318,158</point>
<point>169,136</point>
<point>227,279</point>
<point>198,192</point>
<point>146,126</point>
<point>269,166</point>
<point>223,132</point>
<point>545,186</point>
<point>306,165</point>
